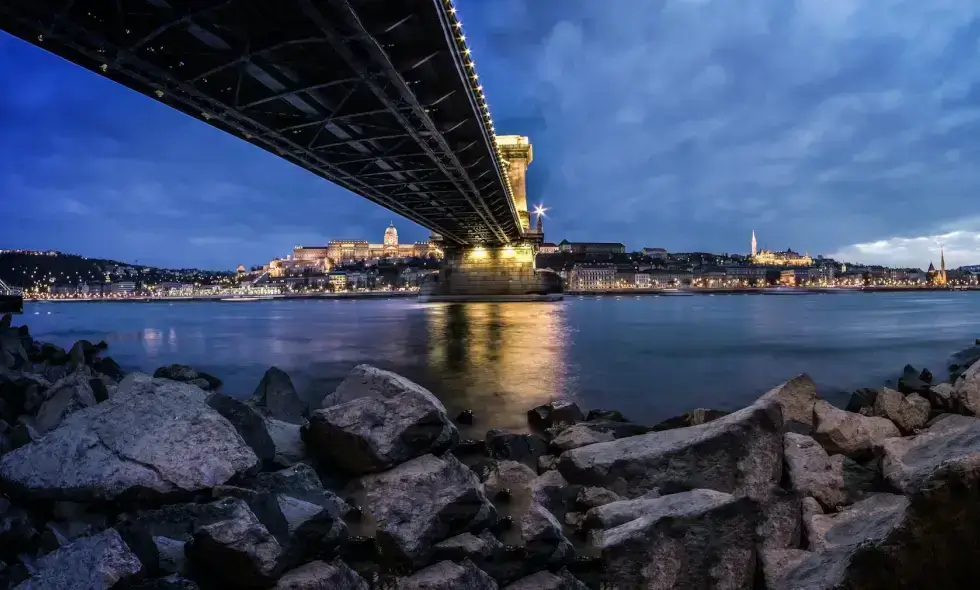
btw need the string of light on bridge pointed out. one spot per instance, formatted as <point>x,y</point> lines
<point>477,88</point>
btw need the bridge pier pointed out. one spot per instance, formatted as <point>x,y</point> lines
<point>471,273</point>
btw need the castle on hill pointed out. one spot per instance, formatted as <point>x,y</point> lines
<point>785,258</point>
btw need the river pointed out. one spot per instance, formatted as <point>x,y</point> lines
<point>650,357</point>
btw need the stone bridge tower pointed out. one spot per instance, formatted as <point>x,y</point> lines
<point>516,149</point>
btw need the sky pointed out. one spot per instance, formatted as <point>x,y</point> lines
<point>849,128</point>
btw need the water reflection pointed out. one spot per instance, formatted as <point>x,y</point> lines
<point>498,359</point>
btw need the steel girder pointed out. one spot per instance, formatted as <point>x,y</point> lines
<point>365,93</point>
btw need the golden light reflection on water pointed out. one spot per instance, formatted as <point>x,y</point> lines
<point>498,359</point>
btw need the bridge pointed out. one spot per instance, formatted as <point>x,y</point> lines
<point>380,97</point>
<point>11,300</point>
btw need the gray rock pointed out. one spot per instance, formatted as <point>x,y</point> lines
<point>467,546</point>
<point>447,575</point>
<point>170,552</point>
<point>12,353</point>
<point>591,497</point>
<point>600,414</point>
<point>814,473</point>
<point>67,396</point>
<point>423,501</point>
<point>848,433</point>
<point>548,490</point>
<point>909,413</point>
<point>248,422</point>
<point>287,441</point>
<point>860,399</point>
<point>966,391</point>
<point>547,463</point>
<point>554,413</point>
<point>545,580</point>
<point>781,520</point>
<point>740,453</point>
<point>368,381</point>
<point>796,398</point>
<point>617,513</point>
<point>949,422</point>
<point>871,519</point>
<point>371,434</point>
<point>907,463</point>
<point>159,442</point>
<point>277,397</point>
<point>587,433</point>
<point>511,476</point>
<point>237,552</point>
<point>319,575</point>
<point>941,397</point>
<point>703,539</point>
<point>778,564</point>
<point>542,536</point>
<point>98,562</point>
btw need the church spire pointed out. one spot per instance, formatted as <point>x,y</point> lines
<point>754,243</point>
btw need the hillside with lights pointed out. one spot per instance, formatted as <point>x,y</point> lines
<point>33,270</point>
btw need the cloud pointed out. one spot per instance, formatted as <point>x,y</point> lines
<point>814,122</point>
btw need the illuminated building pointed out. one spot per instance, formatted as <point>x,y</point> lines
<point>784,258</point>
<point>319,259</point>
<point>938,277</point>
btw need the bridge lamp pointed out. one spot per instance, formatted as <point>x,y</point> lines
<point>508,252</point>
<point>479,252</point>
<point>539,211</point>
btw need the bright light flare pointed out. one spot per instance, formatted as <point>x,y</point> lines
<point>539,211</point>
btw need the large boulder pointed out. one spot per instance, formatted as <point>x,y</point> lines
<point>908,412</point>
<point>368,381</point>
<point>907,463</point>
<point>795,398</point>
<point>447,575</point>
<point>594,431</point>
<point>371,434</point>
<point>97,562</point>
<point>697,539</point>
<point>814,473</point>
<point>926,538</point>
<point>319,575</point>
<point>554,413</point>
<point>424,501</point>
<point>840,431</point>
<point>238,552</point>
<point>162,439</point>
<point>967,391</point>
<point>277,397</point>
<point>740,453</point>
<point>963,360</point>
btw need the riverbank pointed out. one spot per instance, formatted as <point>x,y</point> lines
<point>174,484</point>
<point>770,291</point>
<point>236,298</point>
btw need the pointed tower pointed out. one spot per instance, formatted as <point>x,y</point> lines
<point>942,265</point>
<point>755,244</point>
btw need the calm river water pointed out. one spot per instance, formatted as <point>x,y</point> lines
<point>651,357</point>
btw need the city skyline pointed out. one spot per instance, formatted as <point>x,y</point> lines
<point>826,127</point>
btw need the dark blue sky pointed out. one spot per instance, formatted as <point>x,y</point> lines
<point>842,127</point>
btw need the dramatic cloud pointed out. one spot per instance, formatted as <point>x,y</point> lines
<point>845,127</point>
<point>686,124</point>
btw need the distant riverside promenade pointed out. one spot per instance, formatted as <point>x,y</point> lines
<point>174,483</point>
<point>227,297</point>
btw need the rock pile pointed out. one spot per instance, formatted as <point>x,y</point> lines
<point>131,481</point>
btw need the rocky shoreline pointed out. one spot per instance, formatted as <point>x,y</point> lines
<point>113,480</point>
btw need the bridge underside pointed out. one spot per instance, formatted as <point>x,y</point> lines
<point>377,96</point>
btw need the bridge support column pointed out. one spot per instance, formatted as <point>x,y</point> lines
<point>478,272</point>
